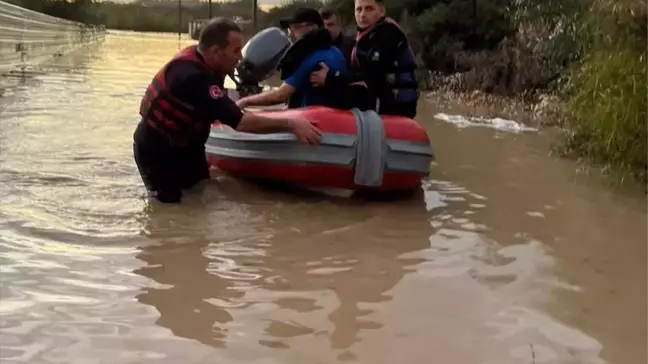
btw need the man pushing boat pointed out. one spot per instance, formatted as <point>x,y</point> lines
<point>179,106</point>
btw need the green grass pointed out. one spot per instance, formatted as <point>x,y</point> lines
<point>607,104</point>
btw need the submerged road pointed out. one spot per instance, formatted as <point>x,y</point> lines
<point>509,255</point>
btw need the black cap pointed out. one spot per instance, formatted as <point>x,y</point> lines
<point>303,15</point>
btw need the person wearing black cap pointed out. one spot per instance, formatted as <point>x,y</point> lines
<point>302,18</point>
<point>313,46</point>
<point>182,101</point>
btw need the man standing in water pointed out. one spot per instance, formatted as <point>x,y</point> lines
<point>184,98</point>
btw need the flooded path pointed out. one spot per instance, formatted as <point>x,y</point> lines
<point>509,256</point>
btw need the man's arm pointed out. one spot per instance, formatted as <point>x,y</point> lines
<point>222,108</point>
<point>252,123</point>
<point>346,90</point>
<point>323,77</point>
<point>303,129</point>
<point>336,79</point>
<point>227,112</point>
<point>206,94</point>
<point>268,98</point>
<point>297,81</point>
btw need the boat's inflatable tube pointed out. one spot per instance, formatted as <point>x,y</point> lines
<point>359,150</point>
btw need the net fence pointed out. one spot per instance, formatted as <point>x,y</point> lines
<point>28,37</point>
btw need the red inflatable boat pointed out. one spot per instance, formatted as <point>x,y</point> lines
<point>359,150</point>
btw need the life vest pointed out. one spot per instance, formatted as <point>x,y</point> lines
<point>176,119</point>
<point>396,85</point>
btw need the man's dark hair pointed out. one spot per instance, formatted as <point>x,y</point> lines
<point>328,13</point>
<point>216,33</point>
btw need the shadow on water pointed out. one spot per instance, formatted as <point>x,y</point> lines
<point>265,269</point>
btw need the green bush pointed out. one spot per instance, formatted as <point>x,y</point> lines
<point>607,93</point>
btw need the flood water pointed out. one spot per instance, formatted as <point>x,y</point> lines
<point>509,255</point>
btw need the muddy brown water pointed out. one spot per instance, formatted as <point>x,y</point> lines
<point>507,256</point>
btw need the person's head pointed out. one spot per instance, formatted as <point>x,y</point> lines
<point>331,22</point>
<point>369,12</point>
<point>303,21</point>
<point>291,35</point>
<point>220,43</point>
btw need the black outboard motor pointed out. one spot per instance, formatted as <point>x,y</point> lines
<point>261,55</point>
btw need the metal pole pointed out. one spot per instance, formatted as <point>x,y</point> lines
<point>179,21</point>
<point>210,9</point>
<point>254,15</point>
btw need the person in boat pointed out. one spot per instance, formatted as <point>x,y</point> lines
<point>182,101</point>
<point>382,57</point>
<point>343,42</point>
<point>313,49</point>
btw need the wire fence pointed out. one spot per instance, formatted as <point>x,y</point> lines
<point>28,37</point>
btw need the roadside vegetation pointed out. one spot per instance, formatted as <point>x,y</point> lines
<point>606,99</point>
<point>588,55</point>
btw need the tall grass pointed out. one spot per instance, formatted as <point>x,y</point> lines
<point>608,92</point>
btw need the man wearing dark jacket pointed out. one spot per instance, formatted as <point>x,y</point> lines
<point>312,49</point>
<point>382,58</point>
<point>343,42</point>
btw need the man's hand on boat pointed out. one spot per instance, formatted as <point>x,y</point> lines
<point>306,131</point>
<point>303,129</point>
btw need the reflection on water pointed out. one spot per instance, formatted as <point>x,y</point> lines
<point>270,275</point>
<point>506,256</point>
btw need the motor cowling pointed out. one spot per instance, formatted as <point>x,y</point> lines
<point>261,55</point>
